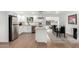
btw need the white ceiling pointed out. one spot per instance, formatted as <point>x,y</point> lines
<point>40,12</point>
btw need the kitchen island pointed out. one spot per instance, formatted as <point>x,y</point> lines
<point>41,35</point>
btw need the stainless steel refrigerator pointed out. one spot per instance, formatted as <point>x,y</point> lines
<point>13,27</point>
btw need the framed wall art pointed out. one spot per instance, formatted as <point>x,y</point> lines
<point>72,19</point>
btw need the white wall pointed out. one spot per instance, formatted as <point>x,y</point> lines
<point>4,26</point>
<point>69,27</point>
<point>61,19</point>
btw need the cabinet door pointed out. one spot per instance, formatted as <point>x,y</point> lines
<point>25,29</point>
<point>29,29</point>
<point>20,29</point>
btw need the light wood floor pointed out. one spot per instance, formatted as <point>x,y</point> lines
<point>28,41</point>
<point>4,45</point>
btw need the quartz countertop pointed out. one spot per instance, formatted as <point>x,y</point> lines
<point>42,27</point>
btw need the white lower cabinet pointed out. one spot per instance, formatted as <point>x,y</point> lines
<point>25,29</point>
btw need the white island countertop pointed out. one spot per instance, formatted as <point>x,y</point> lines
<point>41,35</point>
